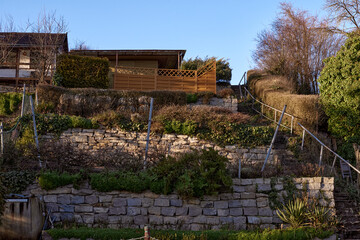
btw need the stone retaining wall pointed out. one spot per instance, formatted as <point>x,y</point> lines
<point>133,142</point>
<point>230,103</point>
<point>247,207</point>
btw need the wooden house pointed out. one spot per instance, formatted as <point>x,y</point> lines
<point>148,70</point>
<point>29,57</point>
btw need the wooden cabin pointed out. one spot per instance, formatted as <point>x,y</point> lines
<point>29,57</point>
<point>148,70</point>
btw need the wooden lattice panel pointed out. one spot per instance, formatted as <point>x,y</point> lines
<point>207,68</point>
<point>176,73</point>
<point>136,70</point>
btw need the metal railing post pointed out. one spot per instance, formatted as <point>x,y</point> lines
<point>321,154</point>
<point>273,140</point>
<point>148,132</point>
<point>23,101</point>
<point>2,138</point>
<point>239,173</point>
<point>35,131</point>
<point>303,139</point>
<point>292,124</point>
<point>333,165</point>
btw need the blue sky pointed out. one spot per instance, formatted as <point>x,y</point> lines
<point>222,28</point>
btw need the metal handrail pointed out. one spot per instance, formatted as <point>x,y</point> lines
<point>275,110</point>
<point>323,145</point>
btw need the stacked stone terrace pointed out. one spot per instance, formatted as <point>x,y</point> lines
<point>247,207</point>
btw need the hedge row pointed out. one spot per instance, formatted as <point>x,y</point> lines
<point>81,72</point>
<point>276,92</point>
<point>89,101</point>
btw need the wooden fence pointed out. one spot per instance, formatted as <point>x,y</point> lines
<point>148,79</point>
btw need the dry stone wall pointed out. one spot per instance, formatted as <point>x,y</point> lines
<point>230,103</point>
<point>133,142</point>
<point>247,207</point>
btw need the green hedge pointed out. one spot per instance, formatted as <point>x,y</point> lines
<point>81,72</point>
<point>9,103</point>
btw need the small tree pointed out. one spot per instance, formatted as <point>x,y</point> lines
<point>223,70</point>
<point>50,29</point>
<point>8,40</point>
<point>345,14</point>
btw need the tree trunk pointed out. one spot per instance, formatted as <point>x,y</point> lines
<point>357,156</point>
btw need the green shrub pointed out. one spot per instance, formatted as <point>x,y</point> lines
<point>9,102</point>
<point>294,213</point>
<point>191,98</point>
<point>121,181</point>
<point>53,180</point>
<point>54,123</point>
<point>226,92</point>
<point>81,72</point>
<point>17,181</point>
<point>339,90</point>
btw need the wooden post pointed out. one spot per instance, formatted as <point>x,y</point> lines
<point>146,233</point>
<point>357,156</point>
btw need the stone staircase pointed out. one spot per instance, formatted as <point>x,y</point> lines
<point>348,213</point>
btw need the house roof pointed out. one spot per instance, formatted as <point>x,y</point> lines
<point>166,58</point>
<point>25,39</point>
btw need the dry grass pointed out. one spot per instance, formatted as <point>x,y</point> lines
<point>276,91</point>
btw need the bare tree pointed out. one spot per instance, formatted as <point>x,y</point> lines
<point>47,43</point>
<point>81,45</point>
<point>345,14</point>
<point>8,40</point>
<point>295,47</point>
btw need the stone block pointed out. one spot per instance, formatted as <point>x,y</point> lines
<point>262,202</point>
<point>101,218</point>
<point>133,211</point>
<point>250,188</point>
<point>141,220</point>
<point>161,202</point>
<point>221,204</point>
<point>264,187</point>
<point>91,199</point>
<point>253,220</point>
<point>67,217</point>
<point>134,202</point>
<point>200,219</point>
<point>196,227</point>
<point>77,199</point>
<point>236,211</point>
<point>234,203</point>
<point>239,220</point>
<point>147,202</point>
<point>226,196</point>
<point>176,202</point>
<point>245,182</point>
<point>239,189</point>
<point>246,195</point>
<point>209,211</point>
<point>119,202</point>
<point>250,211</point>
<point>248,203</point>
<point>50,198</point>
<point>265,211</point>
<point>53,207</point>
<point>195,211</point>
<point>115,219</point>
<point>168,211</point>
<point>88,218</point>
<point>84,208</point>
<point>105,199</point>
<point>62,190</point>
<point>117,210</point>
<point>63,199</point>
<point>182,211</point>
<point>226,220</point>
<point>213,221</point>
<point>207,204</point>
<point>156,220</point>
<point>154,210</point>
<point>170,220</point>
<point>266,219</point>
<point>126,219</point>
<point>101,209</point>
<point>223,212</point>
<point>66,208</point>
